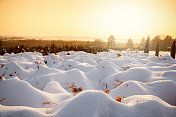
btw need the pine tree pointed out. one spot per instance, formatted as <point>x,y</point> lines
<point>173,50</point>
<point>146,49</point>
<point>157,50</point>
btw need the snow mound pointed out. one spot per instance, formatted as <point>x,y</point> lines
<point>167,58</point>
<point>68,65</point>
<point>137,74</point>
<point>53,60</point>
<point>87,104</point>
<point>162,89</point>
<point>143,61</point>
<point>42,70</point>
<point>86,59</point>
<point>122,61</point>
<point>21,111</point>
<point>170,75</point>
<point>12,69</point>
<point>74,76</point>
<point>107,65</point>
<point>103,70</point>
<point>149,106</point>
<point>85,67</point>
<point>65,79</point>
<point>99,104</point>
<point>21,93</point>
<point>129,88</point>
<point>54,87</point>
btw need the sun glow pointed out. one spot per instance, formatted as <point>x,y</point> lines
<point>132,19</point>
<point>126,19</point>
<point>93,18</point>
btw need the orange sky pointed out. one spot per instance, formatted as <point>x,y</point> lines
<point>90,18</point>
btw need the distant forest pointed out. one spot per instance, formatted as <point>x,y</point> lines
<point>21,44</point>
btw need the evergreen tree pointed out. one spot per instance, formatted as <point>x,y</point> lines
<point>157,50</point>
<point>146,49</point>
<point>173,50</point>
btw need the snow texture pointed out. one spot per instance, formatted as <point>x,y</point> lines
<point>87,85</point>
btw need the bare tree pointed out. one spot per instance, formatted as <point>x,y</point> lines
<point>142,44</point>
<point>130,44</point>
<point>111,42</point>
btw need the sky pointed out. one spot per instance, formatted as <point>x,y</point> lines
<point>124,19</point>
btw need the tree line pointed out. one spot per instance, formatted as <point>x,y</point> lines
<point>164,43</point>
<point>20,44</point>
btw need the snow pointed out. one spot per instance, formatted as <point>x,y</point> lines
<point>54,87</point>
<point>74,85</point>
<point>21,93</point>
<point>162,89</point>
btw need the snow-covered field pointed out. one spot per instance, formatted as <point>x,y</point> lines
<point>88,85</point>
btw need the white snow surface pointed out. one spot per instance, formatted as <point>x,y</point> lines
<point>32,85</point>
